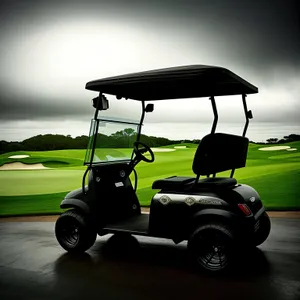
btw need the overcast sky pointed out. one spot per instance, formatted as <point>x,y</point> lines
<point>50,49</point>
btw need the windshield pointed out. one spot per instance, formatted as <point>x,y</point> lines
<point>113,140</point>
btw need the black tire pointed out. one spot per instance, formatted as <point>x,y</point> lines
<point>263,230</point>
<point>212,247</point>
<point>73,232</point>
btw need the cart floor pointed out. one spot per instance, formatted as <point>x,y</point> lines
<point>135,225</point>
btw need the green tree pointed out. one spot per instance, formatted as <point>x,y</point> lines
<point>272,140</point>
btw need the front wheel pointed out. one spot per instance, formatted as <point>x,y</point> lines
<point>74,232</point>
<point>212,247</point>
<point>263,230</point>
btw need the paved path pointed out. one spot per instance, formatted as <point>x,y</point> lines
<point>53,218</point>
<point>33,266</point>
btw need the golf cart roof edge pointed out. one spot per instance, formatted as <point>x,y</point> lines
<point>174,83</point>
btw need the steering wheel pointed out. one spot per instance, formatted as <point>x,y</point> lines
<point>140,151</point>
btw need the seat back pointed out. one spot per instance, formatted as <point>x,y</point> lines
<point>220,152</point>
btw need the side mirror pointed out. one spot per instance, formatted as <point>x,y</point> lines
<point>249,114</point>
<point>101,103</point>
<point>149,107</point>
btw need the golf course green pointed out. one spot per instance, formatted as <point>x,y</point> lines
<point>274,174</point>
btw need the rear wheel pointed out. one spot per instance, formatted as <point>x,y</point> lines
<point>74,232</point>
<point>263,230</point>
<point>212,247</point>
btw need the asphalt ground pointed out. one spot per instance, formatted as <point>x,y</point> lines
<point>34,266</point>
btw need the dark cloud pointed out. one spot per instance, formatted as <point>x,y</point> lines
<point>262,32</point>
<point>257,39</point>
<point>16,105</point>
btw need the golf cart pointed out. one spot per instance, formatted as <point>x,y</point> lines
<point>216,215</point>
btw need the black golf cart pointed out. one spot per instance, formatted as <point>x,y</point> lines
<point>216,215</point>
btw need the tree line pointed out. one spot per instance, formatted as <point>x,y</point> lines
<point>120,139</point>
<point>286,139</point>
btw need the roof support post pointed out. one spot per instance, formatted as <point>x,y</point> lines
<point>232,173</point>
<point>214,107</point>
<point>248,114</point>
<point>141,121</point>
<point>96,132</point>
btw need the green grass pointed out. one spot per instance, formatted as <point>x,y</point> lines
<point>278,190</point>
<point>28,182</point>
<point>31,204</point>
<point>275,175</point>
<point>59,158</point>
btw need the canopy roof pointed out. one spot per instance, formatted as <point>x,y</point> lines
<point>172,83</point>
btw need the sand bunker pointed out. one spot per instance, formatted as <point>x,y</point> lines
<point>292,149</point>
<point>180,147</point>
<point>272,148</point>
<point>18,156</point>
<point>162,150</point>
<point>21,166</point>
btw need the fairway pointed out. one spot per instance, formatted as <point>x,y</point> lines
<point>30,182</point>
<point>275,174</point>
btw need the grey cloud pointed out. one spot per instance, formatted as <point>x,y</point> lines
<point>254,38</point>
<point>18,106</point>
<point>258,33</point>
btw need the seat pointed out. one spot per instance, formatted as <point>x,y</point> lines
<point>172,183</point>
<point>216,153</point>
<point>176,183</point>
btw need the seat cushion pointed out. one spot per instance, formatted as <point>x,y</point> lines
<point>216,182</point>
<point>173,183</point>
<point>176,183</point>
